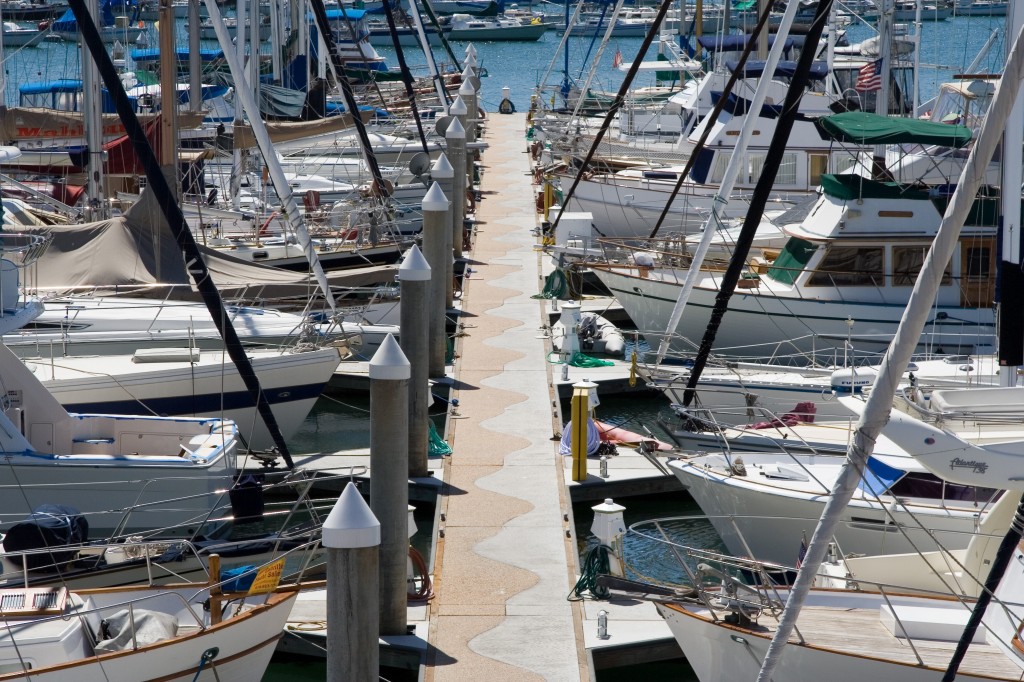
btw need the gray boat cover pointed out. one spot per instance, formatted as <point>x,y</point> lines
<point>150,627</point>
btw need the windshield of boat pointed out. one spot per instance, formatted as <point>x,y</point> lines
<point>791,261</point>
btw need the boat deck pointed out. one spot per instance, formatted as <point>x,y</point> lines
<point>860,632</point>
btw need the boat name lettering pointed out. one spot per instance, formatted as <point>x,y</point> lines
<point>66,131</point>
<point>977,467</point>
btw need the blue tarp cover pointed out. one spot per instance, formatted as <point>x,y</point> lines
<point>879,477</point>
<point>784,69</point>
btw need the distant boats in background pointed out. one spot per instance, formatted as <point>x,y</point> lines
<point>980,8</point>
<point>16,35</point>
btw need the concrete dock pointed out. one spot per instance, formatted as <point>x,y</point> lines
<point>505,563</point>
<point>506,558</point>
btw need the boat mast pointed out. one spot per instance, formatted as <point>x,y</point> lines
<point>92,112</point>
<point>410,91</point>
<point>885,15</point>
<point>435,74</point>
<point>737,161</point>
<point>616,104</point>
<point>245,97</point>
<point>876,410</point>
<point>759,199</point>
<point>237,153</point>
<point>176,222</point>
<point>1011,279</point>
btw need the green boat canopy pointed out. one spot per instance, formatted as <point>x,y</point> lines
<point>861,127</point>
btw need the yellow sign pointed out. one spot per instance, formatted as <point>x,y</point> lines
<point>267,578</point>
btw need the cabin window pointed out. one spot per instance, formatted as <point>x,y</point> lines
<point>755,164</point>
<point>850,266</point>
<point>843,161</point>
<point>906,265</point>
<point>790,263</point>
<point>817,165</point>
<point>718,170</point>
<point>787,170</point>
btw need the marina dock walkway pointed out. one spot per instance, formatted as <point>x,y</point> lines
<point>503,566</point>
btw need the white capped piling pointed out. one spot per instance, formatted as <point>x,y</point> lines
<point>444,174</point>
<point>609,527</point>
<point>467,93</point>
<point>456,138</point>
<point>351,536</point>
<point>438,251</point>
<point>471,62</point>
<point>414,279</point>
<point>389,477</point>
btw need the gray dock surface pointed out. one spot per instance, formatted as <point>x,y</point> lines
<point>506,562</point>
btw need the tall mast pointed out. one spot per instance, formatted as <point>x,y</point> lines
<point>92,112</point>
<point>875,412</point>
<point>176,222</point>
<point>1011,279</point>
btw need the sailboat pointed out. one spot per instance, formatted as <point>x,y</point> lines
<point>882,637</point>
<point>157,633</point>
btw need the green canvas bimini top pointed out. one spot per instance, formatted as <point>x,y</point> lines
<point>850,187</point>
<point>861,127</point>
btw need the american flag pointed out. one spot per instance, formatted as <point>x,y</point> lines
<point>869,78</point>
<point>617,59</point>
<point>802,554</point>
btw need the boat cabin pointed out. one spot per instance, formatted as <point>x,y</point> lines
<point>874,235</point>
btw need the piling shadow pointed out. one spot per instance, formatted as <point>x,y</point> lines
<point>437,658</point>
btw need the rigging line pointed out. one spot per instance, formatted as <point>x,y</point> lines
<point>761,194</point>
<point>324,26</point>
<point>406,74</point>
<point>615,105</point>
<point>176,221</point>
<point>429,10</point>
<point>715,112</point>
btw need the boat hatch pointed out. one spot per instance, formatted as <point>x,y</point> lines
<point>783,472</point>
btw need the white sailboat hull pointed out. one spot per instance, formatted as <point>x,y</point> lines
<point>719,652</point>
<point>762,324</point>
<point>631,209</point>
<point>768,521</point>
<point>212,387</point>
<point>115,489</point>
<point>244,645</point>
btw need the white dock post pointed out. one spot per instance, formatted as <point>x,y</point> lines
<point>437,249</point>
<point>609,528</point>
<point>467,93</point>
<point>456,137</point>
<point>351,535</point>
<point>414,278</point>
<point>389,477</point>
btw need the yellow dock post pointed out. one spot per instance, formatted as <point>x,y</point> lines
<point>579,425</point>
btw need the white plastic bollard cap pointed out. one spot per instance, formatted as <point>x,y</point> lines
<point>414,267</point>
<point>471,49</point>
<point>442,168</point>
<point>455,130</point>
<point>389,362</point>
<point>458,108</point>
<point>466,89</point>
<point>434,199</point>
<point>351,523</point>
